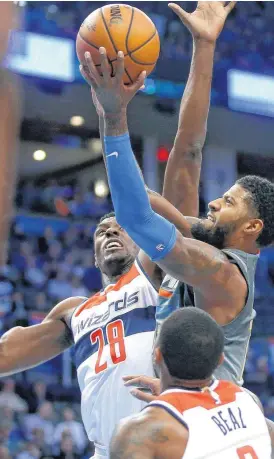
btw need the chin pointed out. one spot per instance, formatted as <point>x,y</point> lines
<point>207,231</point>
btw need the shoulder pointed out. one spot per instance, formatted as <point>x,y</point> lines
<point>64,309</point>
<point>153,430</point>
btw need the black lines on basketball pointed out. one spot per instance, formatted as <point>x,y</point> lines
<point>129,27</point>
<point>88,42</point>
<point>108,32</point>
<point>140,47</point>
<point>129,77</point>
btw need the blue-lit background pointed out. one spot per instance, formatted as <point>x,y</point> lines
<point>60,197</point>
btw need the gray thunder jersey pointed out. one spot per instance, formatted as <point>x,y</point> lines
<point>174,294</point>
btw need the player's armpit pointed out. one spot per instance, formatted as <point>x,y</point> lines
<point>22,348</point>
<point>205,268</point>
<point>151,434</point>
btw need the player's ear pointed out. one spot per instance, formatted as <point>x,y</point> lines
<point>254,227</point>
<point>158,356</point>
<point>221,358</point>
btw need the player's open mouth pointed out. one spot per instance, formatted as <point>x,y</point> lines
<point>113,245</point>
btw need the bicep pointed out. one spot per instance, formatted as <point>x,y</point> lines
<point>202,266</point>
<point>25,347</point>
<point>22,348</point>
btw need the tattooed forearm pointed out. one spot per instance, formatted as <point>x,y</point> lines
<point>116,124</point>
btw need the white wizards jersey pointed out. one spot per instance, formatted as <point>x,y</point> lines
<point>223,421</point>
<point>113,333</point>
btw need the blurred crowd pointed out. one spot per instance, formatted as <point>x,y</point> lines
<point>246,41</point>
<point>44,269</point>
<point>33,427</point>
<point>67,198</point>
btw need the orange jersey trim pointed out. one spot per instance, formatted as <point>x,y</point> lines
<point>165,293</point>
<point>100,297</point>
<point>187,400</point>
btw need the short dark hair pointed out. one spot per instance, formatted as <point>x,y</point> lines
<point>191,343</point>
<point>109,215</point>
<point>261,194</point>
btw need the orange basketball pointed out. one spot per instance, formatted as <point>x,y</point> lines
<point>120,28</point>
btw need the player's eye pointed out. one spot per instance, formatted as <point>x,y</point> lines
<point>228,200</point>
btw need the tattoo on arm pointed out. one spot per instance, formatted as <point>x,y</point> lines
<point>116,124</point>
<point>138,441</point>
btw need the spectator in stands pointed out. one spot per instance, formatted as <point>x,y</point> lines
<point>67,448</point>
<point>4,453</point>
<point>5,431</point>
<point>77,287</point>
<point>6,291</point>
<point>43,419</point>
<point>11,435</point>
<point>41,303</point>
<point>75,429</point>
<point>30,451</point>
<point>92,277</point>
<point>34,276</point>
<point>59,287</point>
<point>38,439</point>
<point>8,397</point>
<point>46,240</point>
<point>37,395</point>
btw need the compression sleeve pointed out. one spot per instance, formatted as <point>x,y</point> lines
<point>151,232</point>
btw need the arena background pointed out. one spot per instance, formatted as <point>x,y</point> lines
<point>62,189</point>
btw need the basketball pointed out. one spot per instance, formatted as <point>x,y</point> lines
<point>120,28</point>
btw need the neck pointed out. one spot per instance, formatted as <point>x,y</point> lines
<point>185,383</point>
<point>242,244</point>
<point>111,277</point>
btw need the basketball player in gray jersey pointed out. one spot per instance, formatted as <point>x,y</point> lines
<point>181,189</point>
<point>214,259</point>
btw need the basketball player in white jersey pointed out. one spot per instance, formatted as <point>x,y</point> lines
<point>196,416</point>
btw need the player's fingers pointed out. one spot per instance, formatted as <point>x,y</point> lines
<point>230,7</point>
<point>182,14</point>
<point>140,381</point>
<point>139,82</point>
<point>128,377</point>
<point>144,396</point>
<point>120,67</point>
<point>104,64</point>
<point>90,68</point>
<point>87,77</point>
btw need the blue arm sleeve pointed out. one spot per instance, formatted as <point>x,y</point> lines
<point>151,232</point>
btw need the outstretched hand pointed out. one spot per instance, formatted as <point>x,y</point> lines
<point>207,21</point>
<point>145,388</point>
<point>109,92</point>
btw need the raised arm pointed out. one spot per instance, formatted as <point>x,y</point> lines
<point>158,203</point>
<point>22,348</point>
<point>182,176</point>
<point>191,261</point>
